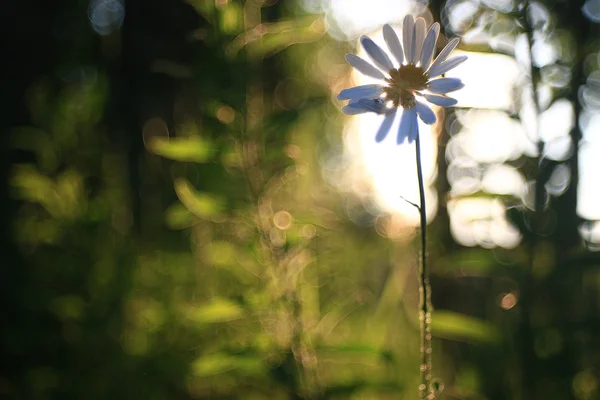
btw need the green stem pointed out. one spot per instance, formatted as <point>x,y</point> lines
<point>424,287</point>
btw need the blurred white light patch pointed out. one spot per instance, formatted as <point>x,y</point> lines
<point>503,43</point>
<point>591,9</point>
<point>490,81</point>
<point>590,126</point>
<point>464,175</point>
<point>545,51</point>
<point>463,168</point>
<point>539,16</point>
<point>465,186</point>
<point>590,232</point>
<point>588,196</point>
<point>559,180</point>
<point>503,179</point>
<point>557,121</point>
<point>481,222</point>
<point>350,18</point>
<point>490,136</point>
<point>528,111</point>
<point>106,16</point>
<point>461,15</point>
<point>559,149</point>
<point>590,96</point>
<point>555,75</point>
<point>477,35</point>
<point>529,199</point>
<point>500,5</point>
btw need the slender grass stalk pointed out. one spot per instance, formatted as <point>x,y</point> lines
<point>424,287</point>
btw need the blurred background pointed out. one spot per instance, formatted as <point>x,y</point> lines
<point>186,213</point>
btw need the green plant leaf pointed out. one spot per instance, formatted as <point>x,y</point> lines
<point>218,310</point>
<point>177,216</point>
<point>184,149</point>
<point>220,363</point>
<point>451,325</point>
<point>202,205</point>
<point>269,39</point>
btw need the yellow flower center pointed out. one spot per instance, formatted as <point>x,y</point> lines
<point>403,83</point>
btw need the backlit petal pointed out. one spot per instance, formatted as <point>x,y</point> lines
<point>444,85</point>
<point>414,129</point>
<point>385,126</point>
<point>444,67</point>
<point>376,54</point>
<point>407,34</point>
<point>361,92</point>
<point>429,46</point>
<point>354,109</point>
<point>442,101</point>
<point>408,123</point>
<point>364,67</point>
<point>444,53</point>
<point>393,43</point>
<point>418,37</point>
<point>425,113</point>
<point>377,105</point>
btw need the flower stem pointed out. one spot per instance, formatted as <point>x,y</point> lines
<point>424,287</point>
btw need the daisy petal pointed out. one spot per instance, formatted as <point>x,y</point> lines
<point>354,109</point>
<point>361,92</point>
<point>406,125</point>
<point>385,126</point>
<point>364,67</point>
<point>376,54</point>
<point>429,45</point>
<point>445,85</point>
<point>427,115</point>
<point>442,101</point>
<point>444,53</point>
<point>393,43</point>
<point>377,105</point>
<point>407,34</point>
<point>361,106</point>
<point>414,129</point>
<point>444,67</point>
<point>418,37</point>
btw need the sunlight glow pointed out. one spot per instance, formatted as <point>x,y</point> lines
<point>588,203</point>
<point>481,222</point>
<point>489,136</point>
<point>489,79</point>
<point>589,190</point>
<point>350,18</point>
<point>389,169</point>
<point>484,136</point>
<point>495,122</point>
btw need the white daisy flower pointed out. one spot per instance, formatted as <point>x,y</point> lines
<point>407,86</point>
